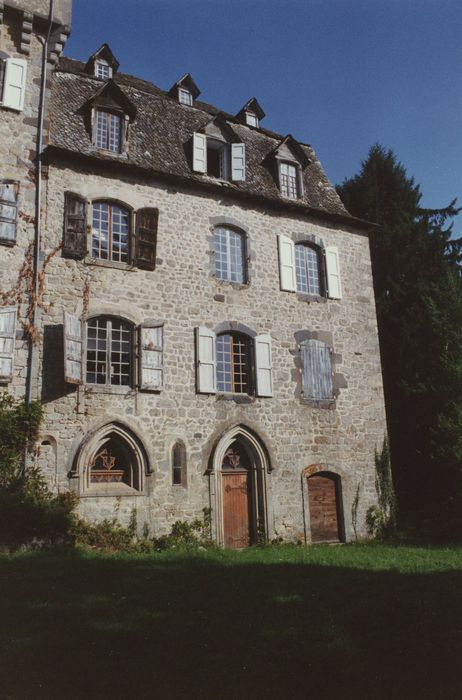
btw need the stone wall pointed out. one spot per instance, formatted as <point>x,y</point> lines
<point>182,293</point>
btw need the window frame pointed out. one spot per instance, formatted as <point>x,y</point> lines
<point>183,92</point>
<point>178,471</point>
<point>12,205</point>
<point>111,203</point>
<point>109,386</point>
<point>121,139</point>
<point>101,62</point>
<point>297,179</point>
<point>251,119</point>
<point>249,364</point>
<point>321,274</point>
<point>244,254</point>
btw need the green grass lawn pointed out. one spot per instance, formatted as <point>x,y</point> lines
<point>351,621</point>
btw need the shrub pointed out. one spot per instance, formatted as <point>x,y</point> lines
<point>381,519</point>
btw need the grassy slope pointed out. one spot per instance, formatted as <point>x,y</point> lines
<point>358,621</point>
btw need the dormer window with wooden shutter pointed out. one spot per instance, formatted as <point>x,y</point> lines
<point>9,190</point>
<point>216,154</point>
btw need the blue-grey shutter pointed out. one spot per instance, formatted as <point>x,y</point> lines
<point>316,359</point>
<point>8,211</point>
<point>7,342</point>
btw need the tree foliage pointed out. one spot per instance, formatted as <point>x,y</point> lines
<point>418,290</point>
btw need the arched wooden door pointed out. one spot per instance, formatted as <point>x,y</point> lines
<point>236,481</point>
<point>323,498</point>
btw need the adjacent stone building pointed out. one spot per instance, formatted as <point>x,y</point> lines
<point>204,332</point>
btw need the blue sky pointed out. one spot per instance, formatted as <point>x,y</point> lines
<point>338,74</point>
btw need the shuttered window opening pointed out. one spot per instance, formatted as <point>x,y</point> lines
<point>233,363</point>
<point>110,232</point>
<point>109,352</point>
<point>75,226</point>
<point>229,255</point>
<point>9,190</point>
<point>151,354</point>
<point>317,379</point>
<point>146,237</point>
<point>334,283</point>
<point>73,347</point>
<point>219,159</point>
<point>7,342</point>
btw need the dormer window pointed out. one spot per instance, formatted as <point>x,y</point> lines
<point>108,131</point>
<point>103,69</point>
<point>184,97</point>
<point>252,119</point>
<point>288,180</point>
<point>215,155</point>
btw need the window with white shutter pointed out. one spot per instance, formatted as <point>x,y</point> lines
<point>9,190</point>
<point>217,158</point>
<point>73,346</point>
<point>151,356</point>
<point>199,153</point>
<point>14,83</point>
<point>7,342</point>
<point>334,283</point>
<point>238,162</point>
<point>286,264</point>
<point>205,360</point>
<point>264,365</point>
<point>317,375</point>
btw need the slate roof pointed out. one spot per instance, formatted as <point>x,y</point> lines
<point>160,139</point>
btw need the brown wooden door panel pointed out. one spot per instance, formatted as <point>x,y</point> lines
<point>236,509</point>
<point>322,496</point>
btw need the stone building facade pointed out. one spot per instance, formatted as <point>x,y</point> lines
<point>206,333</point>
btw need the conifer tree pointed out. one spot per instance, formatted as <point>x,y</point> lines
<point>418,289</point>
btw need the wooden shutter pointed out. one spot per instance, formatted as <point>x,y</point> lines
<point>287,276</point>
<point>151,356</point>
<point>206,360</point>
<point>7,342</point>
<point>73,346</point>
<point>14,83</point>
<point>8,211</point>
<point>199,153</point>
<point>75,226</point>
<point>334,284</point>
<point>264,365</point>
<point>316,359</point>
<point>146,238</point>
<point>238,162</point>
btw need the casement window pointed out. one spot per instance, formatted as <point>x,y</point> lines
<point>108,131</point>
<point>233,363</point>
<point>229,254</point>
<point>317,373</point>
<point>102,353</point>
<point>117,234</point>
<point>252,119</point>
<point>110,238</point>
<point>218,159</point>
<point>103,69</point>
<point>289,180</point>
<point>309,269</point>
<point>184,97</point>
<point>179,464</point>
<point>13,83</point>
<point>9,190</point>
<point>7,342</point>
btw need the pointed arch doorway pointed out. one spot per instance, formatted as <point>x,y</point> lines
<point>239,489</point>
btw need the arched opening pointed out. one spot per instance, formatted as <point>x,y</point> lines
<point>238,486</point>
<point>325,507</point>
<point>179,464</point>
<point>111,462</point>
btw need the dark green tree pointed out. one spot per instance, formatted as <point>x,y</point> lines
<point>418,290</point>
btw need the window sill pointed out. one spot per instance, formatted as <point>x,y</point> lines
<point>229,283</point>
<point>301,296</point>
<point>329,404</point>
<point>103,389</point>
<point>110,154</point>
<point>128,267</point>
<point>103,491</point>
<point>6,242</point>
<point>237,398</point>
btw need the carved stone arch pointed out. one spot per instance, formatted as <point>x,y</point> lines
<point>111,461</point>
<point>240,462</point>
<point>323,504</point>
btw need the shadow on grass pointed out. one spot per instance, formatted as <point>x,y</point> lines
<point>200,627</point>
